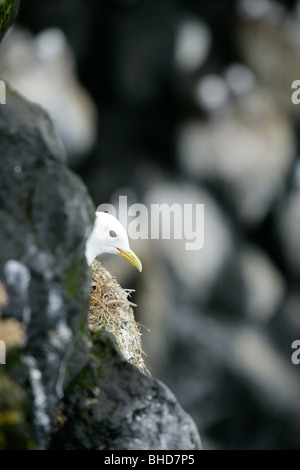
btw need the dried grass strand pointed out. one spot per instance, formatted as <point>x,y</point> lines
<point>111,310</point>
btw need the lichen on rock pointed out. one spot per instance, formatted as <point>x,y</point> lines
<point>15,431</point>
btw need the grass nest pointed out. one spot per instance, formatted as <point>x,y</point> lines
<point>110,309</point>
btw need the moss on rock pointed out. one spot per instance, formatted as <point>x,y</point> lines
<point>8,11</point>
<point>14,430</point>
<point>73,277</point>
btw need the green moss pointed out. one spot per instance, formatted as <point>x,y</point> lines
<point>14,430</point>
<point>8,11</point>
<point>82,381</point>
<point>91,209</point>
<point>88,374</point>
<point>103,351</point>
<point>74,277</point>
<point>82,327</point>
<point>105,347</point>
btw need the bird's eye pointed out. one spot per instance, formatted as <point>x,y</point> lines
<point>112,234</point>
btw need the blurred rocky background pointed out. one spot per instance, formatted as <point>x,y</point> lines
<point>190,102</point>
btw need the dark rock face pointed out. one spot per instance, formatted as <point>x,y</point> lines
<point>45,217</point>
<point>8,11</point>
<point>44,222</point>
<point>120,408</point>
<point>224,318</point>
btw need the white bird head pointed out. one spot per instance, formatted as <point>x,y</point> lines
<point>109,236</point>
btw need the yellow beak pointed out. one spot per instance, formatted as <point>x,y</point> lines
<point>132,258</point>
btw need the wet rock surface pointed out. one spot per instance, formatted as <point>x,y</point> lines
<point>119,408</point>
